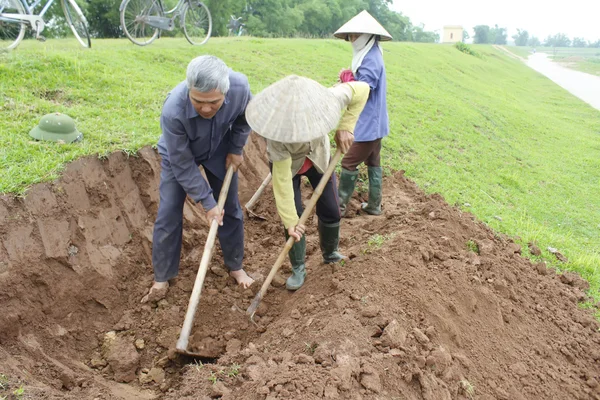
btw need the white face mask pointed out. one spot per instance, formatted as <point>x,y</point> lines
<point>361,41</point>
<point>361,46</point>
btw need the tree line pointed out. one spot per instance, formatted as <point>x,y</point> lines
<point>262,18</point>
<point>485,34</point>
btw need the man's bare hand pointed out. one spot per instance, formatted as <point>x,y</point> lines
<point>216,214</point>
<point>235,160</point>
<point>344,140</point>
<point>297,231</point>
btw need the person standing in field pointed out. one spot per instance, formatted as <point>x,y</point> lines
<point>365,33</point>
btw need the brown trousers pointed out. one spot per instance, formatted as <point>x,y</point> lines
<point>367,152</point>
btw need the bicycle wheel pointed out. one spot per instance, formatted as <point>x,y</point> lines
<point>196,22</point>
<point>77,22</point>
<point>11,30</point>
<point>134,15</point>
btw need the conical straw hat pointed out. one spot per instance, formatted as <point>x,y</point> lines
<point>294,109</point>
<point>363,23</point>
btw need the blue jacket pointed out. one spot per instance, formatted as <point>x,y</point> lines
<point>373,122</point>
<point>188,140</point>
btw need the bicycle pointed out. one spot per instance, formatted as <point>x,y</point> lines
<point>15,14</point>
<point>235,26</point>
<point>142,20</point>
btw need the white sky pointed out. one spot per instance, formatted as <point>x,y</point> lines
<point>576,18</point>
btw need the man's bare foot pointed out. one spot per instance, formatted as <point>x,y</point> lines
<point>157,292</point>
<point>242,278</point>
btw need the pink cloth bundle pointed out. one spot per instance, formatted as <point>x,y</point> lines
<point>346,76</point>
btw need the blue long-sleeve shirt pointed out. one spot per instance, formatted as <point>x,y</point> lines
<point>373,122</point>
<point>188,140</point>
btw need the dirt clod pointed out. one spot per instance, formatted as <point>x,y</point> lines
<point>303,359</point>
<point>97,361</point>
<point>420,336</point>
<point>533,249</point>
<point>394,335</point>
<point>520,369</point>
<point>122,358</point>
<point>219,390</point>
<point>370,312</point>
<point>370,379</point>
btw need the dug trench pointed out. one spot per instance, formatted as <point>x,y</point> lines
<point>431,305</point>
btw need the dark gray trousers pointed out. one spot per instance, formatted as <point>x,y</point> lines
<point>168,228</point>
<point>328,207</point>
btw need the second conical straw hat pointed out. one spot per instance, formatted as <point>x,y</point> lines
<point>294,110</point>
<point>363,23</point>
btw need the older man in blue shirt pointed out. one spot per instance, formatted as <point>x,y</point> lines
<point>203,123</point>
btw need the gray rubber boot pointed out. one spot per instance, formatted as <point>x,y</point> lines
<point>297,256</point>
<point>329,235</point>
<point>373,206</point>
<point>346,188</point>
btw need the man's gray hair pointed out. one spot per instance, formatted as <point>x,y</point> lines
<point>207,73</point>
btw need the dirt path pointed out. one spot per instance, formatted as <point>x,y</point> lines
<point>510,53</point>
<point>433,305</point>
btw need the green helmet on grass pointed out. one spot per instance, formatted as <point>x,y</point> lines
<point>56,127</point>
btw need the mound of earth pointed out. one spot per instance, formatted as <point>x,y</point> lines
<point>431,305</point>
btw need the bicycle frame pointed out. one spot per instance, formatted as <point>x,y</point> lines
<point>162,23</point>
<point>30,8</point>
<point>36,20</point>
<point>176,8</point>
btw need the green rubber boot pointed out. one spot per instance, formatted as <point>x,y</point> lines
<point>297,256</point>
<point>346,188</point>
<point>329,235</point>
<point>373,207</point>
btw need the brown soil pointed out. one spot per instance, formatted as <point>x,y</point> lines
<point>415,313</point>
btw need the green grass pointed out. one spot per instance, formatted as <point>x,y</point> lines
<point>591,67</point>
<point>472,246</point>
<point>376,241</point>
<point>582,59</point>
<point>234,370</point>
<point>481,130</point>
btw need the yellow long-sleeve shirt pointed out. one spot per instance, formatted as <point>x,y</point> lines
<point>288,158</point>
